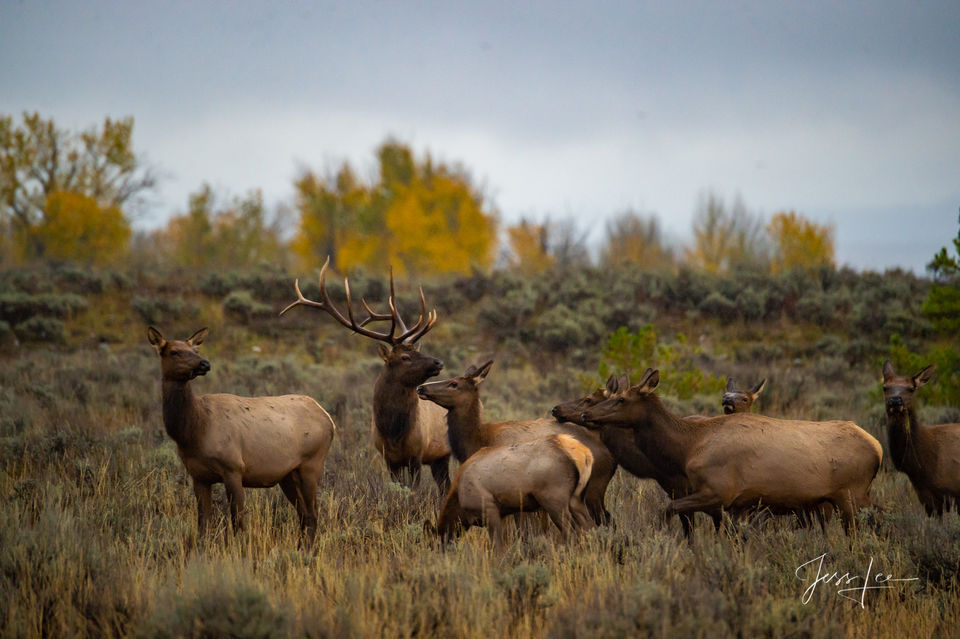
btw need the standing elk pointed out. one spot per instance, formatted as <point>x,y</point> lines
<point>623,445</point>
<point>741,461</point>
<point>549,473</point>
<point>253,442</point>
<point>407,431</point>
<point>468,433</point>
<point>929,455</point>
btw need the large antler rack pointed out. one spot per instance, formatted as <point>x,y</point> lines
<point>407,335</point>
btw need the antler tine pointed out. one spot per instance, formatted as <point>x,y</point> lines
<point>431,320</point>
<point>419,324</point>
<point>327,305</point>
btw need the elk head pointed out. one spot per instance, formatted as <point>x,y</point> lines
<point>738,401</point>
<point>179,360</point>
<point>898,390</point>
<point>404,362</point>
<point>627,407</point>
<point>572,410</point>
<point>458,391</point>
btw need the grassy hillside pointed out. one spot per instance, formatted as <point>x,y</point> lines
<point>98,525</point>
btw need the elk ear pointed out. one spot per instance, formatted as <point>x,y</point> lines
<point>612,384</point>
<point>623,382</point>
<point>888,370</point>
<point>649,380</point>
<point>480,374</point>
<point>924,376</point>
<point>384,352</point>
<point>197,338</point>
<point>155,338</point>
<point>758,388</point>
<point>730,385</point>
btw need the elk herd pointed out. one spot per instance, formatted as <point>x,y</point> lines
<point>735,463</point>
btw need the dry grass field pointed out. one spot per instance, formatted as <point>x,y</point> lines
<point>98,520</point>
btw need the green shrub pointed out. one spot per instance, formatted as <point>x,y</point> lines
<point>220,607</point>
<point>241,307</point>
<point>41,329</point>
<point>17,307</point>
<point>718,305</point>
<point>161,310</point>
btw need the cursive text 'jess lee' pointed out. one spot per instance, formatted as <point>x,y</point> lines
<point>879,581</point>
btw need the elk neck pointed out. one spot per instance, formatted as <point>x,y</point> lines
<point>464,430</point>
<point>903,433</point>
<point>181,413</point>
<point>394,408</point>
<point>664,438</point>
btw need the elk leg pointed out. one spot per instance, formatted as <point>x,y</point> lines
<point>292,491</point>
<point>204,505</point>
<point>413,468</point>
<point>581,516</point>
<point>493,523</point>
<point>698,501</point>
<point>308,489</point>
<point>234,486</point>
<point>440,469</point>
<point>560,519</point>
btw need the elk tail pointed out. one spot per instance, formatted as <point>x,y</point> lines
<point>581,457</point>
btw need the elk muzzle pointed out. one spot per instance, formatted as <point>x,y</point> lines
<point>202,368</point>
<point>895,404</point>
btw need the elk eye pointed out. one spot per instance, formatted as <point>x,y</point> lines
<point>619,400</point>
<point>453,384</point>
<point>175,353</point>
<point>405,358</point>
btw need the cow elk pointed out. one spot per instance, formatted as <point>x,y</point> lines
<point>743,461</point>
<point>468,433</point>
<point>548,473</point>
<point>623,446</point>
<point>407,431</point>
<point>740,401</point>
<point>929,455</point>
<point>253,442</point>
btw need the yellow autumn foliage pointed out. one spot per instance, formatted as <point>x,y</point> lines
<point>75,227</point>
<point>799,242</point>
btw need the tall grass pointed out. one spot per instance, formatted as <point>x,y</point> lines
<point>98,521</point>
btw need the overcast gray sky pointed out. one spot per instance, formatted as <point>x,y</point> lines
<point>847,112</point>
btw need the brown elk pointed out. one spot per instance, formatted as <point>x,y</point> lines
<point>549,473</point>
<point>468,433</point>
<point>242,442</point>
<point>407,431</point>
<point>742,461</point>
<point>929,455</point>
<point>739,401</point>
<point>623,446</point>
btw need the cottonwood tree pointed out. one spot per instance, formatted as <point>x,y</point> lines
<point>232,233</point>
<point>40,162</point>
<point>799,243</point>
<point>635,239</point>
<point>419,216</point>
<point>725,239</point>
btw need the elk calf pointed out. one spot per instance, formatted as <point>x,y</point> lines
<point>468,433</point>
<point>929,455</point>
<point>241,441</point>
<point>548,473</point>
<point>741,461</point>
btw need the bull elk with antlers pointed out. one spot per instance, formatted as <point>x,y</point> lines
<point>241,441</point>
<point>407,431</point>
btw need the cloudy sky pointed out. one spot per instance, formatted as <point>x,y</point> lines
<point>846,112</point>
